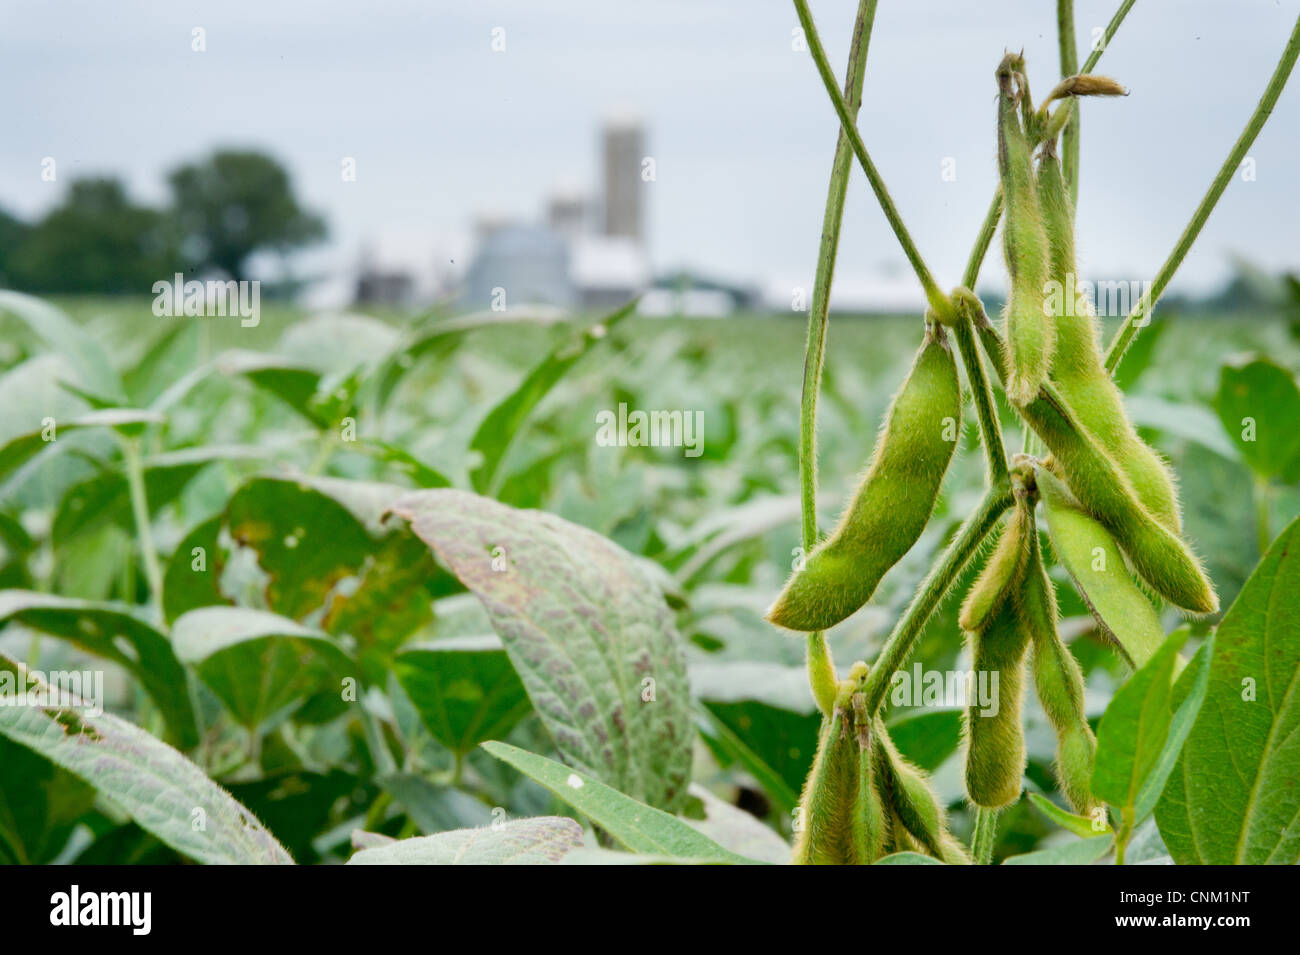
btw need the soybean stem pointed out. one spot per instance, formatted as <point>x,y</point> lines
<point>821,666</point>
<point>982,393</point>
<point>1069,67</point>
<point>1140,315</point>
<point>990,226</point>
<point>935,587</point>
<point>984,836</point>
<point>140,511</point>
<point>937,300</point>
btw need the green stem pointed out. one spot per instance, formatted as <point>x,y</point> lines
<point>1140,315</point>
<point>982,393</point>
<point>1263,532</point>
<point>143,526</point>
<point>990,226</point>
<point>985,835</point>
<point>821,666</point>
<point>935,587</point>
<point>1069,52</point>
<point>1125,833</point>
<point>374,733</point>
<point>937,300</point>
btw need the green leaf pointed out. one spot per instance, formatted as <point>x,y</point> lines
<point>1135,727</point>
<point>1232,798</point>
<point>21,449</point>
<point>1097,567</point>
<point>587,630</point>
<point>1082,852</point>
<point>464,689</point>
<point>538,841</point>
<point>60,334</point>
<point>159,788</point>
<point>907,858</point>
<point>40,805</point>
<point>1187,697</point>
<point>1079,825</point>
<point>291,381</point>
<point>738,831</point>
<point>1259,405</point>
<point>257,663</point>
<point>506,421</point>
<point>435,808</point>
<point>632,824</point>
<point>115,632</point>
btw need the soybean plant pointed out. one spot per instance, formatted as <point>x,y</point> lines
<point>1107,489</point>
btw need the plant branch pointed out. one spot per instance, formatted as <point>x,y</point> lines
<point>1140,316</point>
<point>1069,53</point>
<point>981,391</point>
<point>140,511</point>
<point>990,226</point>
<point>984,836</point>
<point>935,587</point>
<point>937,300</point>
<point>821,666</point>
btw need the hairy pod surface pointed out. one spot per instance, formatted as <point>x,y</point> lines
<point>1059,684</point>
<point>1003,567</point>
<point>995,754</point>
<point>826,809</point>
<point>1089,554</point>
<point>920,823</point>
<point>1077,365</point>
<point>1157,555</point>
<point>893,501</point>
<point>1029,329</point>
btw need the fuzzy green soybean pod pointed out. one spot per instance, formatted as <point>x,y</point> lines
<point>993,585</point>
<point>828,804</point>
<point>1029,329</point>
<point>995,754</point>
<point>871,818</point>
<point>1059,684</point>
<point>1077,366</point>
<point>893,501</point>
<point>918,818</point>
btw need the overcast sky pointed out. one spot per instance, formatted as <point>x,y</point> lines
<point>442,128</point>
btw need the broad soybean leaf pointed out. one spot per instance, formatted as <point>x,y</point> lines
<point>464,689</point>
<point>1097,567</point>
<point>22,448</point>
<point>60,334</point>
<point>40,805</point>
<point>907,858</point>
<point>1082,852</point>
<point>1232,798</point>
<point>193,573</point>
<point>632,824</point>
<point>435,808</point>
<point>1259,405</point>
<point>1135,727</point>
<point>539,841</point>
<point>257,663</point>
<point>159,788</point>
<point>292,381</point>
<point>587,630</point>
<point>1186,699</point>
<point>505,421</point>
<point>115,632</point>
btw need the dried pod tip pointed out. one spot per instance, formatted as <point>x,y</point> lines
<point>1086,84</point>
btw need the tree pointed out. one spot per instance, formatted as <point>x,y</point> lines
<point>95,241</point>
<point>235,203</point>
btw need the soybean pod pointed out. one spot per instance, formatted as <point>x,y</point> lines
<point>915,808</point>
<point>826,809</point>
<point>1030,331</point>
<point>1077,366</point>
<point>893,501</point>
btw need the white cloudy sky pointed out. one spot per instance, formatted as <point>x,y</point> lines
<point>442,128</point>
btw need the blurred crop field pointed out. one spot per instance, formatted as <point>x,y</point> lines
<point>720,528</point>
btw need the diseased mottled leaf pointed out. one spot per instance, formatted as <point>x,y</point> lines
<point>115,632</point>
<point>1233,798</point>
<point>587,631</point>
<point>539,841</point>
<point>632,824</point>
<point>158,787</point>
